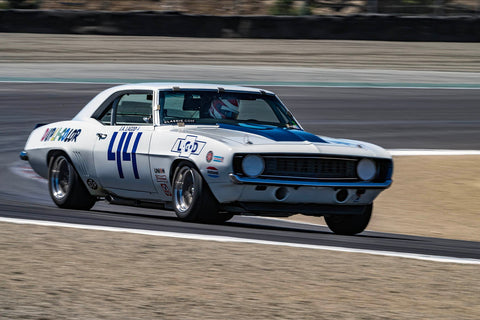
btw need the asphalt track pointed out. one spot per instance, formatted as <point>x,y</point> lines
<point>393,118</point>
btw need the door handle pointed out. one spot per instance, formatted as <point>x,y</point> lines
<point>101,136</point>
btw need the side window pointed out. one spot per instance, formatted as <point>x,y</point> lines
<point>134,108</point>
<point>125,109</point>
<point>106,117</point>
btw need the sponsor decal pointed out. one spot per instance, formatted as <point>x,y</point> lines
<point>123,155</point>
<point>128,128</point>
<point>61,134</point>
<point>217,159</point>
<point>161,178</point>
<point>166,189</point>
<point>188,146</point>
<point>209,156</point>
<point>179,121</point>
<point>212,172</point>
<point>92,184</point>
<point>159,170</point>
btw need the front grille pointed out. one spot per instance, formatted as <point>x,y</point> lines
<point>310,168</point>
<point>314,168</point>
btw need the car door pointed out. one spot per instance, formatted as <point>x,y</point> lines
<point>121,151</point>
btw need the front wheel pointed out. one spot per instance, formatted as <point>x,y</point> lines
<point>65,186</point>
<point>349,224</point>
<point>192,198</point>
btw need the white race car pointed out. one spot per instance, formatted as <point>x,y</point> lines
<point>208,152</point>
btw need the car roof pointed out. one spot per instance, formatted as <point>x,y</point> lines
<point>187,86</point>
<point>93,105</point>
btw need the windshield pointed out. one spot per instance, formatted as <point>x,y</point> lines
<point>212,107</point>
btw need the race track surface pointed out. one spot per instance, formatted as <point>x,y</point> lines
<point>393,118</point>
<point>390,117</point>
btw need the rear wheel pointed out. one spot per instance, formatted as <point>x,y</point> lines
<point>192,198</point>
<point>65,186</point>
<point>349,224</point>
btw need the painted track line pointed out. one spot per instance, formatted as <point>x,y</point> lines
<point>432,152</point>
<point>242,240</point>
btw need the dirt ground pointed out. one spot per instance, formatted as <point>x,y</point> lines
<point>432,56</point>
<point>62,273</point>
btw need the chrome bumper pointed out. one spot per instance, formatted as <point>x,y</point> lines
<point>293,183</point>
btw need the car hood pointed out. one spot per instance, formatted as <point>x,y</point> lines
<point>261,138</point>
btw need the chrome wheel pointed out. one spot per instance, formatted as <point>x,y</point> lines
<point>65,186</point>
<point>192,198</point>
<point>61,178</point>
<point>184,189</point>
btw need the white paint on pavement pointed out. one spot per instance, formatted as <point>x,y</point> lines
<point>242,240</point>
<point>432,152</point>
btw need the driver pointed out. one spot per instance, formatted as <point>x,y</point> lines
<point>224,108</point>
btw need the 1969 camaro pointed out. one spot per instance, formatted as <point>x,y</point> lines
<point>208,152</point>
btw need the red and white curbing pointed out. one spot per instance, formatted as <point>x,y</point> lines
<point>24,170</point>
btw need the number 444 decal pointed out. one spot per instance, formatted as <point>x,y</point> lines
<point>122,154</point>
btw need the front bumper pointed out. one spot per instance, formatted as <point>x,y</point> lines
<point>297,183</point>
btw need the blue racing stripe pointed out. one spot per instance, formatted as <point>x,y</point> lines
<point>134,155</point>
<point>110,153</point>
<point>119,159</point>
<point>126,155</point>
<point>274,133</point>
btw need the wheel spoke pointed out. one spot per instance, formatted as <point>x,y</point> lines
<point>60,177</point>
<point>184,189</point>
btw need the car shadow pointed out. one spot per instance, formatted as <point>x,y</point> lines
<point>267,225</point>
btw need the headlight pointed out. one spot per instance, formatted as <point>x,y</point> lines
<point>253,165</point>
<point>366,169</point>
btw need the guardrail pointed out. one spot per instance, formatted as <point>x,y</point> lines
<point>152,23</point>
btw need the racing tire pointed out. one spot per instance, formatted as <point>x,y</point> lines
<point>65,186</point>
<point>192,199</point>
<point>350,224</point>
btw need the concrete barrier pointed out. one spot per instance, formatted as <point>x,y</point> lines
<point>151,23</point>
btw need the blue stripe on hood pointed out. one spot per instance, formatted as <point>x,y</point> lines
<point>274,133</point>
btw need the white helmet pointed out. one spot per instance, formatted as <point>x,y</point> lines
<point>224,108</point>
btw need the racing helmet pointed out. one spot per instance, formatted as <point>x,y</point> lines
<point>224,108</point>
